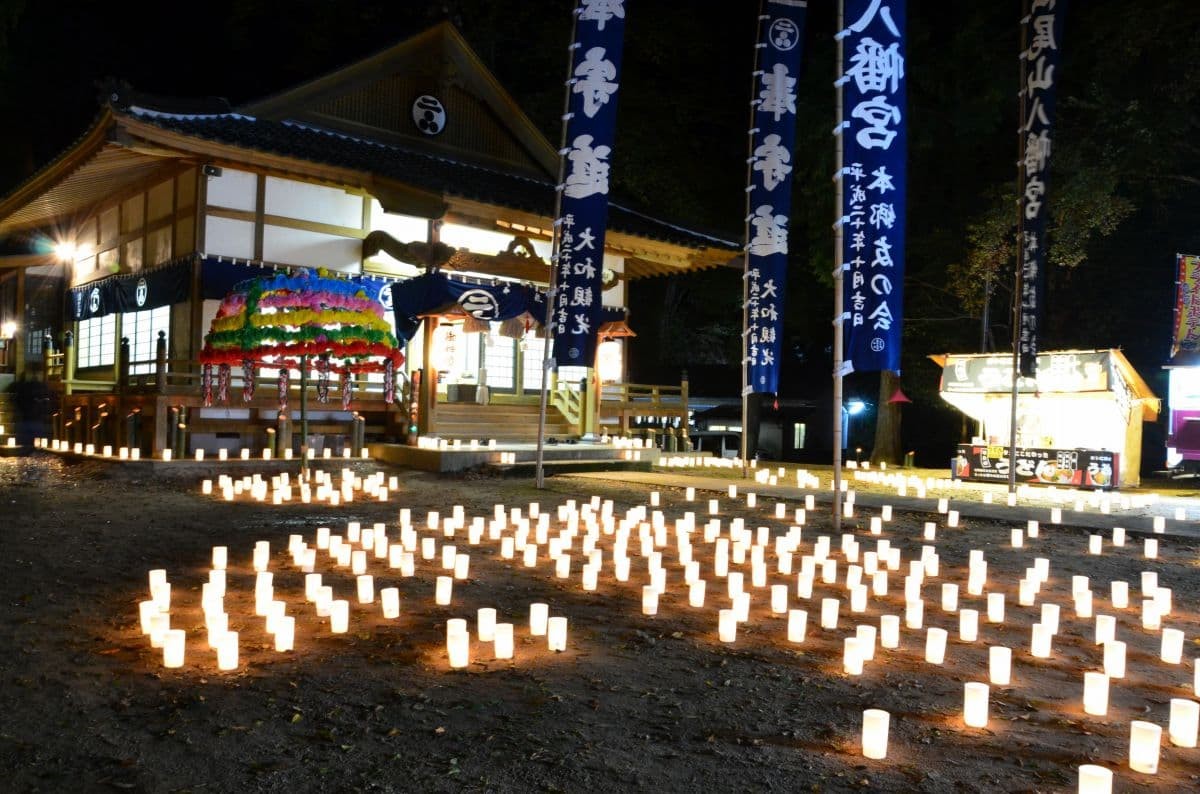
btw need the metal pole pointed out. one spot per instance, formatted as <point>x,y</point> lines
<point>551,286</point>
<point>1019,276</point>
<point>744,446</point>
<point>304,417</point>
<point>838,338</point>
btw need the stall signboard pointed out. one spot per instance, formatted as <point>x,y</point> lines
<point>1076,371</point>
<point>1080,468</point>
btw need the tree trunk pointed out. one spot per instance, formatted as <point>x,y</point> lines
<point>887,423</point>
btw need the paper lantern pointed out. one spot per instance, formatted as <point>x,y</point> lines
<point>1095,544</point>
<point>875,733</point>
<point>146,610</point>
<point>649,600</point>
<point>995,607</point>
<point>852,657</point>
<point>1171,650</point>
<point>696,593</point>
<point>458,647</point>
<point>914,613</point>
<point>798,624</point>
<point>285,633</point>
<point>444,589</point>
<point>968,625</point>
<point>930,532</point>
<point>726,625</point>
<point>366,588</point>
<point>1106,629</point>
<point>1031,528</point>
<point>1114,659</point>
<point>1083,604</point>
<point>1000,665</point>
<point>556,634</point>
<point>975,704</point>
<point>1095,694</point>
<point>949,597</point>
<point>829,613</point>
<point>539,615</point>
<point>1017,538</point>
<point>1120,595</point>
<point>1040,646</point>
<point>227,651</point>
<point>935,645</point>
<point>866,641</point>
<point>503,640</point>
<point>339,616</point>
<point>1095,779</point>
<point>1145,739</point>
<point>1150,550</point>
<point>1050,613</point>
<point>1151,614</point>
<point>1118,536</point>
<point>1196,675</point>
<point>173,640</point>
<point>1185,720</point>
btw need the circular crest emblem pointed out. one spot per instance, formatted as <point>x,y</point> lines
<point>385,297</point>
<point>480,304</point>
<point>877,344</point>
<point>94,300</point>
<point>142,292</point>
<point>784,34</point>
<point>429,115</point>
<point>573,353</point>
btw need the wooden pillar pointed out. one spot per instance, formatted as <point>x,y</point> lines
<point>427,397</point>
<point>122,365</point>
<point>68,361</point>
<point>160,362</point>
<point>18,343</point>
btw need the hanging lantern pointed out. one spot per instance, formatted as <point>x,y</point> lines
<point>223,384</point>
<point>389,382</point>
<point>283,388</point>
<point>206,386</point>
<point>347,389</point>
<point>323,378</point>
<point>247,380</point>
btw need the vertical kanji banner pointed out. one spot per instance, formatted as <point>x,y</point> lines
<point>873,173</point>
<point>1043,34</point>
<point>583,214</point>
<point>1186,338</point>
<point>772,138</point>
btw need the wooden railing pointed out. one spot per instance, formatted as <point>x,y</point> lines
<point>571,402</point>
<point>625,401</point>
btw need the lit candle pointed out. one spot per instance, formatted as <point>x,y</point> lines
<point>949,597</point>
<point>696,593</point>
<point>1145,739</point>
<point>485,624</point>
<point>173,640</point>
<point>726,625</point>
<point>1095,543</point>
<point>504,641</point>
<point>829,613</point>
<point>146,611</point>
<point>1000,665</point>
<point>866,641</point>
<point>914,613</point>
<point>875,733</point>
<point>975,704</point>
<point>1185,721</point>
<point>539,614</point>
<point>444,590</point>
<point>995,607</point>
<point>1050,613</point>
<point>285,633</point>
<point>1040,644</point>
<point>458,647</point>
<point>1106,629</point>
<point>1118,536</point>
<point>1151,548</point>
<point>1017,538</point>
<point>889,631</point>
<point>968,625</point>
<point>798,624</point>
<point>1120,595</point>
<point>366,588</point>
<point>556,634</point>
<point>1095,694</point>
<point>1151,615</point>
<point>1031,528</point>
<point>649,600</point>
<point>779,599</point>
<point>1114,659</point>
<point>952,518</point>
<point>1171,650</point>
<point>339,616</point>
<point>227,650</point>
<point>852,656</point>
<point>1095,779</point>
<point>935,645</point>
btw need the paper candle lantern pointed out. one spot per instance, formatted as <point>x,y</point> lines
<point>173,640</point>
<point>485,624</point>
<point>1000,665</point>
<point>1095,694</point>
<point>995,607</point>
<point>227,650</point>
<point>968,625</point>
<point>1041,641</point>
<point>914,613</point>
<point>366,588</point>
<point>797,625</point>
<point>829,613</point>
<point>539,615</point>
<point>1095,544</point>
<point>866,641</point>
<point>1017,538</point>
<point>504,641</point>
<point>649,600</point>
<point>444,590</point>
<point>147,610</point>
<point>556,634</point>
<point>1145,739</point>
<point>975,704</point>
<point>160,623</point>
<point>1185,720</point>
<point>1171,651</point>
<point>779,599</point>
<point>935,645</point>
<point>390,602</point>
<point>875,733</point>
<point>726,625</point>
<point>1106,629</point>
<point>339,616</point>
<point>696,593</point>
<point>458,647</point>
<point>1150,550</point>
<point>1118,536</point>
<point>1050,613</point>
<point>1095,779</point>
<point>949,597</point>
<point>889,631</point>
<point>1120,595</point>
<point>1151,614</point>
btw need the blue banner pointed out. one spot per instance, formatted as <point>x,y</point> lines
<point>583,212</point>
<point>1039,62</point>
<point>772,141</point>
<point>873,173</point>
<point>433,292</point>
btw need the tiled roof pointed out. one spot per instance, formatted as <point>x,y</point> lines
<point>436,174</point>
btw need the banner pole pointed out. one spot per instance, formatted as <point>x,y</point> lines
<point>1018,280</point>
<point>838,283</point>
<point>744,446</point>
<point>551,284</point>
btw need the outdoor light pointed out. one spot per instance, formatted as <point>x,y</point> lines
<point>1095,694</point>
<point>504,641</point>
<point>798,624</point>
<point>1145,739</point>
<point>854,408</point>
<point>1000,665</point>
<point>227,651</point>
<point>975,704</point>
<point>875,733</point>
<point>366,588</point>
<point>726,625</point>
<point>1185,720</point>
<point>556,634</point>
<point>1106,629</point>
<point>1095,779</point>
<point>852,656</point>
<point>458,646</point>
<point>1114,659</point>
<point>339,616</point>
<point>285,633</point>
<point>1172,646</point>
<point>539,615</point>
<point>935,645</point>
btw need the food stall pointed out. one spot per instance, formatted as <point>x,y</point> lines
<point>1079,422</point>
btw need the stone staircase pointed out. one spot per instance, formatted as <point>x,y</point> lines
<point>508,424</point>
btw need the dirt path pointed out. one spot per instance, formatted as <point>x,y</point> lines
<point>635,703</point>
